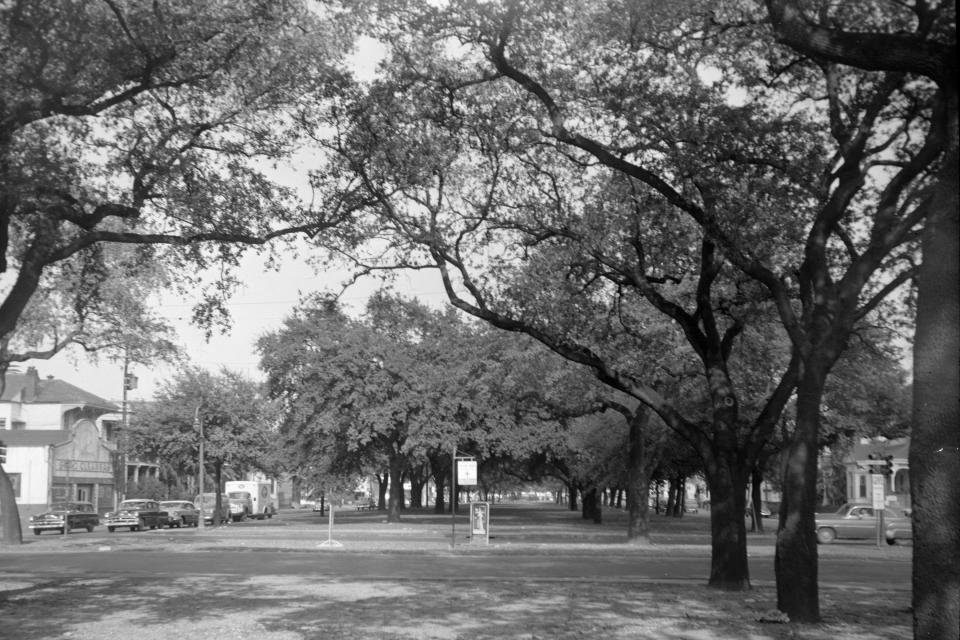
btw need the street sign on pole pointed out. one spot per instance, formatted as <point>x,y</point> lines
<point>467,473</point>
<point>879,499</point>
<point>463,471</point>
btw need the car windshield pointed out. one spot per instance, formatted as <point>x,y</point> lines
<point>239,495</point>
<point>132,504</point>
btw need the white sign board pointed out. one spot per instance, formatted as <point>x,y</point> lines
<point>466,472</point>
<point>879,499</point>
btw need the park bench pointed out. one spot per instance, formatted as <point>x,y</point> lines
<point>370,506</point>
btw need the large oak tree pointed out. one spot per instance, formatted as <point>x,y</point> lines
<point>627,86</point>
<point>150,124</point>
<point>917,40</point>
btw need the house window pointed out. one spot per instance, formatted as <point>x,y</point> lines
<point>15,481</point>
<point>111,428</point>
<point>863,487</point>
<point>3,423</point>
<point>18,425</point>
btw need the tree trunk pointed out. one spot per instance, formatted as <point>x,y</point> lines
<point>418,481</point>
<point>728,532</point>
<point>440,483</point>
<point>591,506</point>
<point>638,508</point>
<point>10,528</point>
<point>795,560</point>
<point>396,488</point>
<point>671,497</point>
<point>382,482</point>
<point>935,437</point>
<point>296,488</point>
<point>756,479</point>
<point>572,495</point>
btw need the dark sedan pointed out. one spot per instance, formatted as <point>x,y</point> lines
<point>64,516</point>
<point>136,515</point>
<point>180,513</point>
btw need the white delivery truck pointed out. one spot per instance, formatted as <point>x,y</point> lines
<point>253,495</point>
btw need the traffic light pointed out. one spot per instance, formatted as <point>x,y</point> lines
<point>3,452</point>
<point>881,464</point>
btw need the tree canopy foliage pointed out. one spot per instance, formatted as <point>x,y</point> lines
<point>228,412</point>
<point>388,391</point>
<point>664,146</point>
<point>146,124</point>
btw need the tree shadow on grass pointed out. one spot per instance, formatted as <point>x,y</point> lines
<point>296,607</point>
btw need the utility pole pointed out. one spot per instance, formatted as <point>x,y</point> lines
<point>198,422</point>
<point>124,441</point>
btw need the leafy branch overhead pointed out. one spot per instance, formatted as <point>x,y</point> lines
<point>137,124</point>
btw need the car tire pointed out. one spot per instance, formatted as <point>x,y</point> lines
<point>141,525</point>
<point>111,529</point>
<point>90,528</point>
<point>826,535</point>
<point>36,532</point>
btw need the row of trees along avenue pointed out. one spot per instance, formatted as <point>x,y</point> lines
<point>720,196</point>
<point>601,147</point>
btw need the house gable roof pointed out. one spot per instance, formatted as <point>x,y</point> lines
<point>35,438</point>
<point>29,388</point>
<point>898,448</point>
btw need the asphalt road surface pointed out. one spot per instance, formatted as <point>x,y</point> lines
<point>564,548</point>
<point>554,565</point>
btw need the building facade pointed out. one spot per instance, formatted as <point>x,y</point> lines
<point>61,444</point>
<point>896,483</point>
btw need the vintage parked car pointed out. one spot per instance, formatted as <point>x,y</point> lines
<point>136,515</point>
<point>853,522</point>
<point>180,513</point>
<point>64,516</point>
<point>209,505</point>
<point>899,529</point>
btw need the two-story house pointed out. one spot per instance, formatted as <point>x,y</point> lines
<point>61,443</point>
<point>896,483</point>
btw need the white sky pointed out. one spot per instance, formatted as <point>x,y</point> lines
<point>257,308</point>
